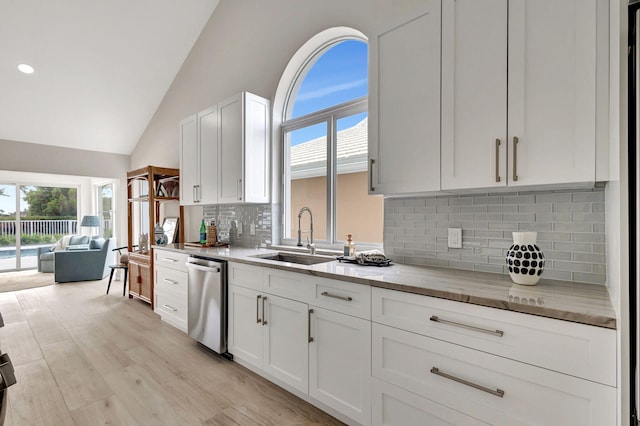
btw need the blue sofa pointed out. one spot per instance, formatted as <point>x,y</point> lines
<point>46,254</point>
<point>85,265</point>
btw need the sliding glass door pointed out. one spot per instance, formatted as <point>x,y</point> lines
<point>8,244</point>
<point>33,216</point>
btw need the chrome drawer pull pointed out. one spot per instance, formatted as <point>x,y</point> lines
<point>167,280</point>
<point>264,321</point>
<point>168,259</point>
<point>346,299</point>
<point>310,339</point>
<point>515,158</point>
<point>258,320</point>
<point>467,326</point>
<point>497,160</point>
<point>371,163</point>
<point>497,392</point>
<point>171,308</point>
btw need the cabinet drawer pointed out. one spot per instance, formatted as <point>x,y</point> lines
<point>342,296</point>
<point>288,284</point>
<point>577,349</point>
<point>170,259</point>
<point>172,309</point>
<point>395,406</point>
<point>245,275</point>
<point>471,382</point>
<point>171,281</point>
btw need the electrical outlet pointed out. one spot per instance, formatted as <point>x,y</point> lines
<point>454,239</point>
<point>252,229</point>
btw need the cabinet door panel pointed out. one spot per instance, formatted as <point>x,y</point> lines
<point>340,363</point>
<point>189,154</point>
<point>474,93</point>
<point>230,170</point>
<point>395,406</point>
<point>286,344</point>
<point>208,159</point>
<point>552,91</point>
<point>404,104</point>
<point>245,333</point>
<point>257,149</point>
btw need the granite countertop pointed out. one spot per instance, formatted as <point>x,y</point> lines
<point>577,302</point>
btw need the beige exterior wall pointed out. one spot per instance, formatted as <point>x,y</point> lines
<point>352,202</point>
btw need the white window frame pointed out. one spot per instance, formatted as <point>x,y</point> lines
<point>330,116</point>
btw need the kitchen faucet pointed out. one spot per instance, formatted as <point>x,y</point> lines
<point>310,245</point>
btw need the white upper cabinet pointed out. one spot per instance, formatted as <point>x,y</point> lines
<point>552,91</point>
<point>243,173</point>
<point>224,152</point>
<point>404,104</point>
<point>534,126</point>
<point>474,93</point>
<point>198,157</point>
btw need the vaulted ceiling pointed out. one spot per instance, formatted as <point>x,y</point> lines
<point>102,67</point>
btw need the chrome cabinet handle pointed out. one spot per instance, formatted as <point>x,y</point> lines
<point>498,333</point>
<point>258,320</point>
<point>371,163</point>
<point>168,259</point>
<point>347,298</point>
<point>497,392</point>
<point>171,308</point>
<point>309,326</point>
<point>498,160</point>
<point>240,189</point>
<point>515,158</point>
<point>264,321</point>
<point>195,196</point>
<point>167,280</point>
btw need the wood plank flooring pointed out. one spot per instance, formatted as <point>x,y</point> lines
<point>86,358</point>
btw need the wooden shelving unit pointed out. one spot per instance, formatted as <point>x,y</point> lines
<point>141,263</point>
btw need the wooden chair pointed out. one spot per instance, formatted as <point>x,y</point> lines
<point>124,265</point>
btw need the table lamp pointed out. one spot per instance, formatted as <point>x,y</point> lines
<point>91,222</point>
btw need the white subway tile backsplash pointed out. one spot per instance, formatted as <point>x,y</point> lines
<point>570,226</point>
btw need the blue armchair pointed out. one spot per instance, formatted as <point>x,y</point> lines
<point>84,265</point>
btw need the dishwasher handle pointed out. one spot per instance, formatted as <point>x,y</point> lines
<point>203,268</point>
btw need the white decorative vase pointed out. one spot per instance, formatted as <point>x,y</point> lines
<point>524,259</point>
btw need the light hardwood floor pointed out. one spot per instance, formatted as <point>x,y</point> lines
<point>85,358</point>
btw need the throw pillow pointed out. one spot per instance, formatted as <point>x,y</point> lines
<point>98,243</point>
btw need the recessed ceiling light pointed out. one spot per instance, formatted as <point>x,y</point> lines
<point>25,68</point>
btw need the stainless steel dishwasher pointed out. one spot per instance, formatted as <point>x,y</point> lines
<point>207,302</point>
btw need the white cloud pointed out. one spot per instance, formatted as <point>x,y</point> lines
<point>331,89</point>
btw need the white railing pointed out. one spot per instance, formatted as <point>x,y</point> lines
<point>39,227</point>
<point>44,227</point>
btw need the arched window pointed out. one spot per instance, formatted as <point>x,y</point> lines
<point>325,146</point>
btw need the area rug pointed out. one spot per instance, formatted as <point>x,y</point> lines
<point>21,280</point>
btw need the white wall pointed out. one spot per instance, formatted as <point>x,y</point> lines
<point>42,164</point>
<point>245,47</point>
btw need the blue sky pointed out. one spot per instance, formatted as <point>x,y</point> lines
<point>339,75</point>
<point>8,204</point>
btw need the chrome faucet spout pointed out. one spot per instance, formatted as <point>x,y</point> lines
<point>302,210</point>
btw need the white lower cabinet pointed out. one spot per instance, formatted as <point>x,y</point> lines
<point>245,325</point>
<point>323,353</point>
<point>286,347</point>
<point>340,363</point>
<point>270,333</point>
<point>170,288</point>
<point>493,389</point>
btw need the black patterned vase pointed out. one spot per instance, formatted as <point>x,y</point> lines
<point>524,259</point>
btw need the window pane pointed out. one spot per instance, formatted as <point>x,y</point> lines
<point>46,214</point>
<point>338,75</point>
<point>105,210</point>
<point>307,185</point>
<point>357,212</point>
<point>7,227</point>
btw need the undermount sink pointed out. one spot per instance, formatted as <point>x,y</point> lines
<point>299,258</point>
